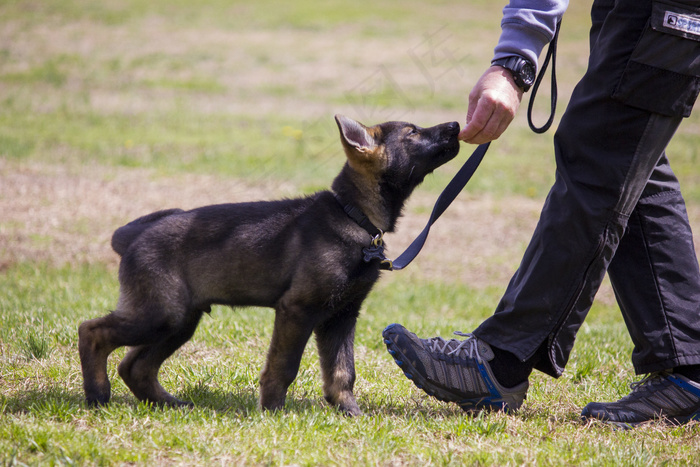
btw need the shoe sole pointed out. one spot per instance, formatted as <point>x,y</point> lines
<point>468,405</point>
<point>675,421</point>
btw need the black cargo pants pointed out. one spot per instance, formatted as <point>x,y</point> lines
<point>616,204</point>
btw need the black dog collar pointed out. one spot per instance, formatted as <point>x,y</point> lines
<point>359,217</point>
<point>376,248</point>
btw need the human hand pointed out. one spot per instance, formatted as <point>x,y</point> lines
<point>492,106</point>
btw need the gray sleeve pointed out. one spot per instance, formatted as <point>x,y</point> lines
<point>527,26</point>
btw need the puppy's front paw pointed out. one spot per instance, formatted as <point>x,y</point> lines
<point>346,404</point>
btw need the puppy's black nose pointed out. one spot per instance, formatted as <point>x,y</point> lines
<point>453,126</point>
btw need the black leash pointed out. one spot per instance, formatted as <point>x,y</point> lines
<point>551,54</point>
<point>458,182</point>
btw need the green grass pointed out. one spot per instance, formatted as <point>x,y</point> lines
<point>43,418</point>
<point>227,145</point>
<point>244,93</point>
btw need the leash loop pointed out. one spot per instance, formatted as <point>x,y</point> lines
<point>551,54</point>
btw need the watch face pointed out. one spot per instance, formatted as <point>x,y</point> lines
<point>528,73</point>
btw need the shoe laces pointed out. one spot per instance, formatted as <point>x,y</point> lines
<point>467,348</point>
<point>647,382</point>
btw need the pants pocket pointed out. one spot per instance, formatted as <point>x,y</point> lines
<point>663,72</point>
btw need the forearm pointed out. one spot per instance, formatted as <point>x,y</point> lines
<point>527,26</point>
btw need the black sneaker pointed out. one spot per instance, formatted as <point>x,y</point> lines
<point>659,396</point>
<point>452,371</point>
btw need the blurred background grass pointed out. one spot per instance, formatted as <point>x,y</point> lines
<point>249,89</point>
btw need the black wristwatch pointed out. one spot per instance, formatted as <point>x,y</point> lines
<point>523,71</point>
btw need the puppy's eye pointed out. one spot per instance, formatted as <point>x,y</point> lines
<point>412,132</point>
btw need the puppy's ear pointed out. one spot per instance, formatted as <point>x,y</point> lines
<point>354,135</point>
<point>361,147</point>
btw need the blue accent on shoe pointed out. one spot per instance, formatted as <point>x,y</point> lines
<point>684,384</point>
<point>389,327</point>
<point>489,383</point>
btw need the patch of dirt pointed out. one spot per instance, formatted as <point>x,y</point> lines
<point>61,215</point>
<point>478,240</point>
<point>64,215</point>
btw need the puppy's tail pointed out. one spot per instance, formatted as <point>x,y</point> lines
<point>125,235</point>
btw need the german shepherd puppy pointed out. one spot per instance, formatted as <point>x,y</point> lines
<point>303,257</point>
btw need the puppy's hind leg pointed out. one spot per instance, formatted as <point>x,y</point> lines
<point>97,338</point>
<point>139,368</point>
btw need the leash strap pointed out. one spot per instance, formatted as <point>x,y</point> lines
<point>444,200</point>
<point>551,54</point>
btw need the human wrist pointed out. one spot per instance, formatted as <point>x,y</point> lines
<point>521,70</point>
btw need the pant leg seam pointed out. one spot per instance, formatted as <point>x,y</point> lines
<point>647,253</point>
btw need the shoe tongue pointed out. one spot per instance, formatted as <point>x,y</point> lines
<point>485,351</point>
